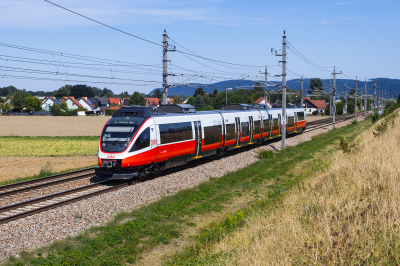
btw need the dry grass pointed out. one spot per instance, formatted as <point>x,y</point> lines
<point>349,214</point>
<point>18,167</point>
<point>52,125</point>
<point>311,118</point>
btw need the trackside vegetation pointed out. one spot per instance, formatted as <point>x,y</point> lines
<point>231,199</point>
<point>49,146</point>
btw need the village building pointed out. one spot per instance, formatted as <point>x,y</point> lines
<point>261,100</point>
<point>88,105</point>
<point>100,103</point>
<point>114,101</point>
<point>313,105</point>
<point>48,103</point>
<point>72,103</point>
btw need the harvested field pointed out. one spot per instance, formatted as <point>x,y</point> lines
<point>52,125</point>
<point>18,167</point>
<point>49,146</point>
<point>311,118</point>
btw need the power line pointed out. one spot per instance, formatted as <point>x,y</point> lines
<point>140,38</point>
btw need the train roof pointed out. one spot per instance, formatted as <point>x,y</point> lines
<point>144,111</point>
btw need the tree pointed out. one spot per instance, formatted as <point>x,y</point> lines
<point>55,110</point>
<point>199,104</point>
<point>207,100</point>
<point>137,99</point>
<point>124,95</point>
<point>258,89</point>
<point>198,91</point>
<point>32,103</point>
<point>8,107</point>
<point>398,98</point>
<point>63,91</point>
<point>106,93</point>
<point>157,94</point>
<point>177,99</point>
<point>19,99</point>
<point>78,91</point>
<point>215,92</point>
<point>63,106</point>
<point>8,91</point>
<point>191,101</point>
<point>316,85</point>
<point>339,108</point>
<point>96,91</point>
<point>2,100</point>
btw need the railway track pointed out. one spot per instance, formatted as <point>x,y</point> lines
<point>27,208</point>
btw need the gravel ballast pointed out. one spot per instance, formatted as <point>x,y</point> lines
<point>41,229</point>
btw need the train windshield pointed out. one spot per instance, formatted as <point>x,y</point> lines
<point>118,133</point>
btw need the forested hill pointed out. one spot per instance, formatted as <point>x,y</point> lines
<point>390,85</point>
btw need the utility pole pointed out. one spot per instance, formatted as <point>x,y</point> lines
<point>266,87</point>
<point>379,95</point>
<point>334,94</point>
<point>355,97</point>
<point>301,91</point>
<point>284,90</point>
<point>165,73</point>
<point>374,95</point>
<point>365,100</point>
<point>345,95</point>
<point>330,98</point>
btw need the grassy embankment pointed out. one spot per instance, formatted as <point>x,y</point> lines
<point>193,220</point>
<point>347,214</point>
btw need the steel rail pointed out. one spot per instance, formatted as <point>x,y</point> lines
<point>61,203</point>
<point>38,180</point>
<point>24,189</point>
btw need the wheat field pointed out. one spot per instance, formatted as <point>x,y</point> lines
<point>348,214</point>
<point>52,125</point>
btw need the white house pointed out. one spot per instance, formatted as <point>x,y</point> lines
<point>313,105</point>
<point>261,100</point>
<point>72,104</point>
<point>48,103</point>
<point>86,103</point>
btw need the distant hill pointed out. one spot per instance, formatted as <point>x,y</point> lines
<point>390,85</point>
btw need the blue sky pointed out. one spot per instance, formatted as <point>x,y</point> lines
<point>358,37</point>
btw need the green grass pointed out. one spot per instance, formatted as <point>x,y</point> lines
<point>49,146</point>
<point>167,219</point>
<point>44,172</point>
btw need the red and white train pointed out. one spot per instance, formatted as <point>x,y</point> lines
<point>141,140</point>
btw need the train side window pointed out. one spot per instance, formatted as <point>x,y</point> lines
<point>143,141</point>
<point>290,121</point>
<point>171,133</point>
<point>180,133</point>
<point>300,116</point>
<point>275,120</point>
<point>266,125</point>
<point>212,134</point>
<point>230,132</point>
<point>257,127</point>
<point>245,129</point>
<point>163,133</point>
<point>188,130</point>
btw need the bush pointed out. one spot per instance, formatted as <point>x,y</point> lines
<point>315,113</point>
<point>81,109</point>
<point>110,112</point>
<point>265,154</point>
<point>57,111</point>
<point>375,117</point>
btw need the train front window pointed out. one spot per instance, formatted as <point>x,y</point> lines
<point>119,132</point>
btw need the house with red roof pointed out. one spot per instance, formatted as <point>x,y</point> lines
<point>261,100</point>
<point>125,101</point>
<point>116,101</point>
<point>314,105</point>
<point>72,103</point>
<point>153,102</point>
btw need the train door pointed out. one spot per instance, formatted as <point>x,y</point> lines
<point>295,121</point>
<point>279,124</point>
<point>251,127</point>
<point>198,137</point>
<point>237,121</point>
